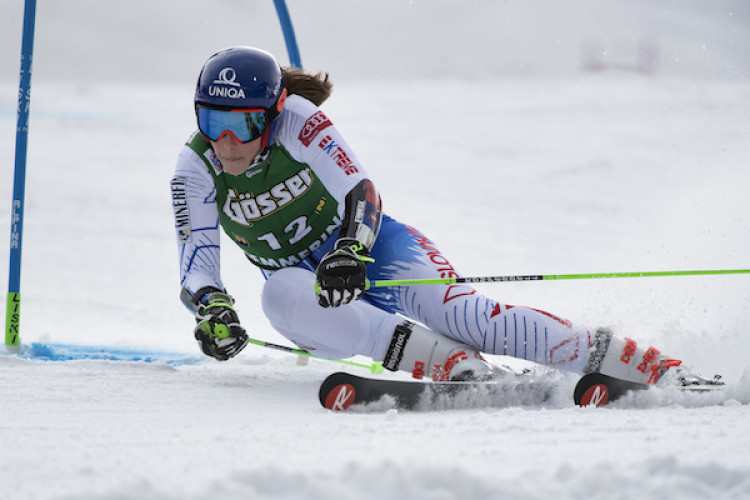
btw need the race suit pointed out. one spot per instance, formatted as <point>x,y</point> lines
<point>285,213</point>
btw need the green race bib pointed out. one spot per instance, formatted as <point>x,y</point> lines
<point>278,211</point>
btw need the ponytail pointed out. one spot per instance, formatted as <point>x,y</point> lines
<point>315,88</point>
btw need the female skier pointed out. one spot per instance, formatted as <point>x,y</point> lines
<point>271,169</point>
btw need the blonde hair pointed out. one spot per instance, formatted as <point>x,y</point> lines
<point>315,88</point>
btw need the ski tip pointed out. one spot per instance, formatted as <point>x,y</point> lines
<point>339,398</point>
<point>337,392</point>
<point>596,395</point>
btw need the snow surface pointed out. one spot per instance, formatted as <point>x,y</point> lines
<point>480,129</point>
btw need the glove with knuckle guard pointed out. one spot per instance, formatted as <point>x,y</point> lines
<point>341,275</point>
<point>218,332</point>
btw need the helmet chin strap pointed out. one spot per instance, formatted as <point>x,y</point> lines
<point>281,101</point>
<point>264,139</point>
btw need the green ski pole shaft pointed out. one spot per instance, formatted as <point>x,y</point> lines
<point>373,367</point>
<point>550,277</point>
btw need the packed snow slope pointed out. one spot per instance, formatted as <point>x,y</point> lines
<point>483,127</point>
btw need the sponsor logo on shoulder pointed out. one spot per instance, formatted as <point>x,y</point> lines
<point>337,153</point>
<point>312,127</point>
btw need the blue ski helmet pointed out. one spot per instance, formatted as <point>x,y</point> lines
<point>241,78</point>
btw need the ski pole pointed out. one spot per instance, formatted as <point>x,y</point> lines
<point>374,367</point>
<point>548,277</point>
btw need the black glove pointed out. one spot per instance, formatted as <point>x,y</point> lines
<point>218,332</point>
<point>341,275</point>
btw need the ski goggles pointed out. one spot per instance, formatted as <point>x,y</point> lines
<point>244,125</point>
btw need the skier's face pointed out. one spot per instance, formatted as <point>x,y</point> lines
<point>235,157</point>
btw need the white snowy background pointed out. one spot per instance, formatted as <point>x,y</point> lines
<point>481,126</point>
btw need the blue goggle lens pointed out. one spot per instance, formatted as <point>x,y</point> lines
<point>243,125</point>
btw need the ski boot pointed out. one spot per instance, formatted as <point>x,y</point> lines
<point>425,353</point>
<point>623,359</point>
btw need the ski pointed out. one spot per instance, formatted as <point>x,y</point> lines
<point>341,390</point>
<point>598,389</point>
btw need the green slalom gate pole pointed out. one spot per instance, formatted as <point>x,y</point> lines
<point>550,277</point>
